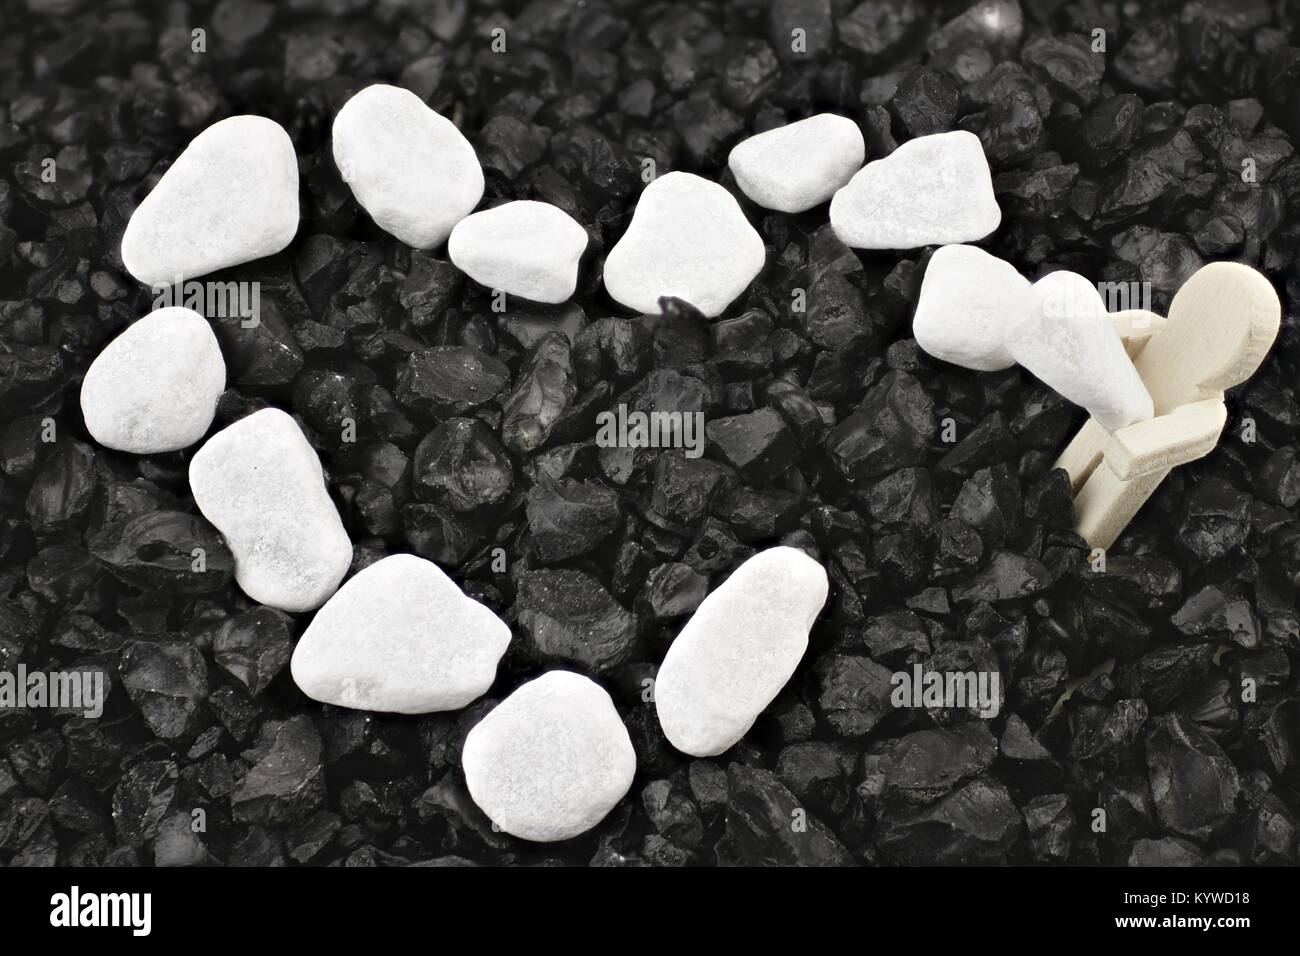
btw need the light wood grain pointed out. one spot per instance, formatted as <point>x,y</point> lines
<point>1135,327</point>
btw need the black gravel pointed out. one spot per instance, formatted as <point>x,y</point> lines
<point>925,489</point>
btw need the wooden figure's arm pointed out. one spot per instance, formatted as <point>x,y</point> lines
<point>1188,432</point>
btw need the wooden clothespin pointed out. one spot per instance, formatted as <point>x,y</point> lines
<point>1221,324</point>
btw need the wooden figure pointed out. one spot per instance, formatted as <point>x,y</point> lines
<point>1221,324</point>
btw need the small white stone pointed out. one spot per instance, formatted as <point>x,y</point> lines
<point>795,167</point>
<point>524,248</point>
<point>230,197</point>
<point>408,165</point>
<point>400,637</point>
<point>738,650</point>
<point>1063,335</point>
<point>967,297</point>
<point>688,238</point>
<point>551,760</point>
<point>260,484</point>
<point>932,190</point>
<point>155,387</point>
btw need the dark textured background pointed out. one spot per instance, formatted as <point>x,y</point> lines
<point>824,433</point>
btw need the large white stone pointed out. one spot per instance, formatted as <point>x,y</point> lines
<point>931,190</point>
<point>155,387</point>
<point>967,297</point>
<point>260,484</point>
<point>400,637</point>
<point>738,650</point>
<point>408,165</point>
<point>551,760</point>
<point>793,168</point>
<point>688,238</point>
<point>1064,336</point>
<point>230,197</point>
<point>525,248</point>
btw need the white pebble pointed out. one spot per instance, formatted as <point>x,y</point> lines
<point>260,483</point>
<point>230,197</point>
<point>688,239</point>
<point>155,387</point>
<point>795,167</point>
<point>400,637</point>
<point>524,248</point>
<point>1064,336</point>
<point>967,297</point>
<point>551,760</point>
<point>738,650</point>
<point>932,190</point>
<point>408,165</point>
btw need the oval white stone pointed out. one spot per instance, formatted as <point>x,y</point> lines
<point>793,168</point>
<point>688,238</point>
<point>400,637</point>
<point>738,650</point>
<point>551,760</point>
<point>230,197</point>
<point>525,248</point>
<point>967,297</point>
<point>1063,334</point>
<point>932,190</point>
<point>260,484</point>
<point>155,387</point>
<point>408,165</point>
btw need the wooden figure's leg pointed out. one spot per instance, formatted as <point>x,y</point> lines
<point>1083,455</point>
<point>1105,505</point>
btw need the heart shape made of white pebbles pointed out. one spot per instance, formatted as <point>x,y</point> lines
<point>551,760</point>
<point>400,637</point>
<point>689,239</point>
<point>932,190</point>
<point>230,197</point>
<point>155,387</point>
<point>1063,334</point>
<point>525,248</point>
<point>408,166</point>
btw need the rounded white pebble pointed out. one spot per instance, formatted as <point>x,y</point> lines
<point>260,484</point>
<point>793,168</point>
<point>230,197</point>
<point>688,238</point>
<point>408,165</point>
<point>932,190</point>
<point>524,248</point>
<point>967,297</point>
<point>400,637</point>
<point>155,387</point>
<point>738,650</point>
<point>1064,336</point>
<point>551,760</point>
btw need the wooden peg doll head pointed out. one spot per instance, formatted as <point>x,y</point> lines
<point>1221,324</point>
